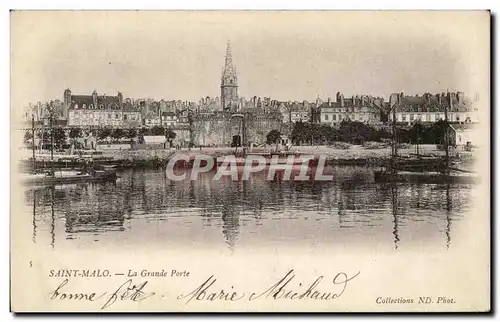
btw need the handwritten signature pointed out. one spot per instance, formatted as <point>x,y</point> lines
<point>289,287</point>
<point>286,288</point>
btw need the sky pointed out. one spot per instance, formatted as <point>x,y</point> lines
<point>282,54</point>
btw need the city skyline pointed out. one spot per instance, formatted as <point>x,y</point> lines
<point>180,55</point>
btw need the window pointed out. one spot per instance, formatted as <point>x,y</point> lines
<point>437,117</point>
<point>109,115</point>
<point>361,117</point>
<point>412,117</point>
<point>458,118</point>
<point>117,116</point>
<point>403,117</point>
<point>334,117</point>
<point>125,116</point>
<point>326,117</point>
<point>428,117</point>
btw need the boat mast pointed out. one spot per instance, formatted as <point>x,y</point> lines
<point>418,139</point>
<point>51,137</point>
<point>446,148</point>
<point>33,140</point>
<point>394,150</point>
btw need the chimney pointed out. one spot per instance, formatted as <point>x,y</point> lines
<point>393,99</point>
<point>94,99</point>
<point>120,99</point>
<point>452,99</point>
<point>460,97</point>
<point>329,102</point>
<point>440,99</point>
<point>67,97</point>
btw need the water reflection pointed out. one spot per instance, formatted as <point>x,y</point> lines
<point>395,205</point>
<point>448,219</point>
<point>144,206</point>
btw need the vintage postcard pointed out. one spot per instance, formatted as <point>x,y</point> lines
<point>250,161</point>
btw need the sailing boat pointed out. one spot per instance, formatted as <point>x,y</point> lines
<point>52,176</point>
<point>446,174</point>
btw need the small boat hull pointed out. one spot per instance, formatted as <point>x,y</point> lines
<point>48,180</point>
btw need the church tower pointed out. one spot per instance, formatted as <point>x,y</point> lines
<point>229,83</point>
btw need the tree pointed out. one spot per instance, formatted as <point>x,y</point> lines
<point>437,132</point>
<point>142,131</point>
<point>157,130</point>
<point>326,134</point>
<point>131,133</point>
<point>170,135</point>
<point>42,134</point>
<point>273,136</point>
<point>300,133</point>
<point>140,134</point>
<point>117,134</point>
<point>416,133</point>
<point>382,134</point>
<point>356,132</point>
<point>403,135</point>
<point>74,134</point>
<point>27,135</point>
<point>104,133</point>
<point>59,137</point>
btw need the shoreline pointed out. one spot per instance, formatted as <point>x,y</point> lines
<point>158,158</point>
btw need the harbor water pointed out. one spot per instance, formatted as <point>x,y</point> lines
<point>143,207</point>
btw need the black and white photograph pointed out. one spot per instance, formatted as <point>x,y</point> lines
<point>259,161</point>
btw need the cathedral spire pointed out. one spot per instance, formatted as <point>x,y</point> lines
<point>229,69</point>
<point>229,82</point>
<point>229,56</point>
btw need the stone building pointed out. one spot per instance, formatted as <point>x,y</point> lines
<point>226,128</point>
<point>361,108</point>
<point>429,108</point>
<point>100,110</point>
<point>295,112</point>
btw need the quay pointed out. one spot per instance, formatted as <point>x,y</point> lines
<point>159,158</point>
